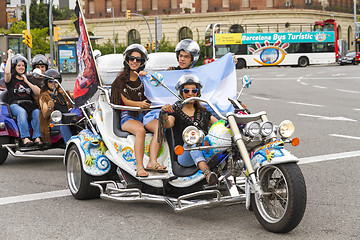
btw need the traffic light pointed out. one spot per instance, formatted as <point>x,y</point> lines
<point>57,34</point>
<point>153,45</point>
<point>128,14</point>
<point>27,38</point>
<point>147,47</point>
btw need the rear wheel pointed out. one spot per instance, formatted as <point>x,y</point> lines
<point>78,180</point>
<point>303,62</point>
<point>240,64</point>
<point>3,152</point>
<point>284,202</point>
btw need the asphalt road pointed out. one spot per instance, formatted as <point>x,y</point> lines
<point>323,103</point>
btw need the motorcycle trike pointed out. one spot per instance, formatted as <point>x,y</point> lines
<point>245,150</point>
<point>11,142</point>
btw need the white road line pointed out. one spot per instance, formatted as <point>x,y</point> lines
<point>316,86</point>
<point>261,98</point>
<point>347,91</point>
<point>35,196</point>
<point>344,136</point>
<point>328,118</point>
<point>308,75</point>
<point>304,83</point>
<point>329,157</point>
<point>306,104</point>
<point>66,192</point>
<point>357,109</point>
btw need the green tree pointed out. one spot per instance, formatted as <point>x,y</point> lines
<point>41,41</point>
<point>17,27</point>
<point>39,14</point>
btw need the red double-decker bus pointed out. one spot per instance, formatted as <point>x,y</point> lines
<point>329,25</point>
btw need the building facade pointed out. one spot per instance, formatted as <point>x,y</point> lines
<point>177,25</point>
<point>166,7</point>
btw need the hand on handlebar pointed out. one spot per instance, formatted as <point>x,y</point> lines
<point>51,105</point>
<point>167,108</point>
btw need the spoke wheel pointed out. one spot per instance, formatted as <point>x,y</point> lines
<point>283,204</point>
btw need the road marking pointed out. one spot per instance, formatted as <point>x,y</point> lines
<point>329,157</point>
<point>357,109</point>
<point>338,74</point>
<point>344,136</point>
<point>34,196</point>
<point>328,118</point>
<point>347,91</point>
<point>306,104</point>
<point>304,83</point>
<point>308,75</point>
<point>261,98</point>
<point>66,192</point>
<point>316,86</point>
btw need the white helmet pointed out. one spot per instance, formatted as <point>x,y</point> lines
<point>136,48</point>
<point>188,79</point>
<point>189,46</point>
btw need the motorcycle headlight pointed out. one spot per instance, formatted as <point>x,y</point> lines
<point>286,129</point>
<point>56,116</point>
<point>266,128</point>
<point>252,128</point>
<point>192,135</point>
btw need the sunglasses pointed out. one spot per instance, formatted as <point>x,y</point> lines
<point>137,59</point>
<point>194,91</point>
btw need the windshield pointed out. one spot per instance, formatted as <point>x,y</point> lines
<point>350,54</point>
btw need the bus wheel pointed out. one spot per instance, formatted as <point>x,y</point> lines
<point>303,62</point>
<point>240,64</point>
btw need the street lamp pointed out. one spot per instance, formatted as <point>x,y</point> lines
<point>108,10</point>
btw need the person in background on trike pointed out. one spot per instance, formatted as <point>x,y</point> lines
<point>193,112</point>
<point>21,98</point>
<point>53,98</point>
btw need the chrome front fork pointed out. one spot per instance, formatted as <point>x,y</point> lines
<point>244,155</point>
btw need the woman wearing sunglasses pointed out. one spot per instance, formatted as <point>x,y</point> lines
<point>192,113</point>
<point>53,98</point>
<point>127,89</point>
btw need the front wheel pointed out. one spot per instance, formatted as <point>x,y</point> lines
<point>78,180</point>
<point>240,64</point>
<point>284,202</point>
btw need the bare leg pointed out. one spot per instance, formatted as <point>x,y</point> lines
<point>154,145</point>
<point>136,128</point>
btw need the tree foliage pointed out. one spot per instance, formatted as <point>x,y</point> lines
<point>39,14</point>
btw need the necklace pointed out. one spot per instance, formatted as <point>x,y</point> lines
<point>136,88</point>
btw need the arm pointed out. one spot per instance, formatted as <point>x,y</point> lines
<point>8,67</point>
<point>212,120</point>
<point>168,121</point>
<point>46,107</point>
<point>141,104</point>
<point>34,88</point>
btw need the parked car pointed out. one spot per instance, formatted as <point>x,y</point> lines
<point>349,58</point>
<point>110,65</point>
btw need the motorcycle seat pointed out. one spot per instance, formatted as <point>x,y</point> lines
<point>177,169</point>
<point>117,125</point>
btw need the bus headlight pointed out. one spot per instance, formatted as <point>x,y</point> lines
<point>266,128</point>
<point>192,135</point>
<point>286,129</point>
<point>252,128</point>
<point>56,116</point>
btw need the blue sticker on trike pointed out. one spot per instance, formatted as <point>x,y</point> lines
<point>95,162</point>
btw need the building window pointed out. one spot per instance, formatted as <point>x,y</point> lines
<point>108,5</point>
<point>269,3</point>
<point>134,37</point>
<point>289,3</point>
<point>185,33</point>
<point>91,7</point>
<point>308,2</point>
<point>245,3</point>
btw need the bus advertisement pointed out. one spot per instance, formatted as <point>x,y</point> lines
<point>272,49</point>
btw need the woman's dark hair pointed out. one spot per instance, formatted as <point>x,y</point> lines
<point>125,73</point>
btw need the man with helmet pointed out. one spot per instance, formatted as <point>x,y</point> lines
<point>128,90</point>
<point>187,54</point>
<point>41,62</point>
<point>21,98</point>
<point>190,114</point>
<point>53,98</point>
